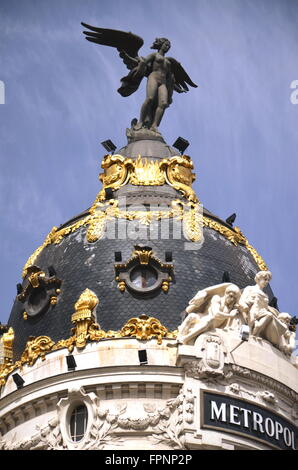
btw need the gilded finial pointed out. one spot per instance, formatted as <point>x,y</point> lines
<point>84,316</point>
<point>6,346</point>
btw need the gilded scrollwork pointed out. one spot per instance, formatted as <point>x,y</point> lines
<point>33,257</point>
<point>175,171</point>
<point>144,328</point>
<point>193,222</point>
<point>55,236</point>
<point>116,171</point>
<point>86,329</point>
<point>178,171</point>
<point>36,348</point>
<point>100,213</point>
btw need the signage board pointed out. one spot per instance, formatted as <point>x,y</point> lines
<point>228,414</point>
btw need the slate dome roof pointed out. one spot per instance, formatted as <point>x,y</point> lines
<point>79,264</point>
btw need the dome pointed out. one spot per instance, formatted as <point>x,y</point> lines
<point>146,322</point>
<point>80,254</point>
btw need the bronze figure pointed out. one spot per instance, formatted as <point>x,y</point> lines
<point>164,74</point>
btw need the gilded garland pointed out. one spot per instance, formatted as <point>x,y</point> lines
<point>101,212</point>
<point>85,329</point>
<point>118,171</point>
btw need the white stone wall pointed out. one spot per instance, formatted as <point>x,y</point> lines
<point>154,406</point>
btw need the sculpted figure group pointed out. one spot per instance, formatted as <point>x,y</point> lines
<point>225,306</point>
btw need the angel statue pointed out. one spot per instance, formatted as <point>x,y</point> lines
<point>164,74</point>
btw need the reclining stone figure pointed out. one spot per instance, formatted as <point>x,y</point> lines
<point>213,307</point>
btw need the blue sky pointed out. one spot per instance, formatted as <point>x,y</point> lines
<point>61,102</point>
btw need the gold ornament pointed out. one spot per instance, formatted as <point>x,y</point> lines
<point>35,277</point>
<point>258,258</point>
<point>175,171</point>
<point>6,347</point>
<point>144,328</point>
<point>53,300</point>
<point>32,258</point>
<point>96,228</point>
<point>165,285</point>
<point>147,173</point>
<point>179,175</point>
<point>35,348</point>
<point>116,173</point>
<point>193,223</point>
<point>121,286</point>
<point>235,236</point>
<point>96,333</point>
<point>84,316</point>
<point>65,343</point>
<point>143,253</point>
<point>100,213</point>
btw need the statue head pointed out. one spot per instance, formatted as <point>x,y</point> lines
<point>263,278</point>
<point>285,318</point>
<point>232,295</point>
<point>161,43</point>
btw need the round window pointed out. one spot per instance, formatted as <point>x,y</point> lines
<point>37,301</point>
<point>143,277</point>
<point>78,422</point>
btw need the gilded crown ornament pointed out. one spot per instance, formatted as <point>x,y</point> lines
<point>84,316</point>
<point>6,346</point>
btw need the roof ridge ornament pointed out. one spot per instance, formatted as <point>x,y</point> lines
<point>84,316</point>
<point>175,171</point>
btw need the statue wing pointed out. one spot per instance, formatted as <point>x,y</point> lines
<point>127,44</point>
<point>181,78</point>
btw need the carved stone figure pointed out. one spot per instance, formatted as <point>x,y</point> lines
<point>214,307</point>
<point>266,321</point>
<point>165,75</point>
<point>254,303</point>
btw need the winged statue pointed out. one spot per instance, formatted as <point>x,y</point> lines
<point>164,74</point>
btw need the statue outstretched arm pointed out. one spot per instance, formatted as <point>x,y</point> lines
<point>142,65</point>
